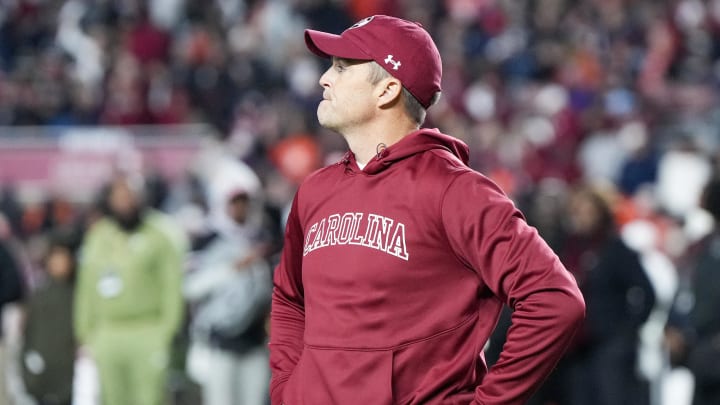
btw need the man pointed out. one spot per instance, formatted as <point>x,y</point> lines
<point>11,290</point>
<point>693,333</point>
<point>128,301</point>
<point>229,287</point>
<point>48,350</point>
<point>398,259</point>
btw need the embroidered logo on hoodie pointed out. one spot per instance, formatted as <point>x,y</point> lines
<point>353,228</point>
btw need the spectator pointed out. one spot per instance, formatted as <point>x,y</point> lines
<point>230,288</point>
<point>49,342</point>
<point>601,365</point>
<point>128,299</point>
<point>699,345</point>
<point>11,290</point>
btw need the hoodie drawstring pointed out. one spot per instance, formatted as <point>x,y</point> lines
<point>381,147</point>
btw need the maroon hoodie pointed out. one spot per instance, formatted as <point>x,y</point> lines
<point>392,279</point>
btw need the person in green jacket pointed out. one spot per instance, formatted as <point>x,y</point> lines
<point>128,301</point>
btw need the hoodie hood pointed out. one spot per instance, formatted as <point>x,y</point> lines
<point>229,177</point>
<point>416,142</point>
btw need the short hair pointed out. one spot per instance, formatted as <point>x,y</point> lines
<point>412,106</point>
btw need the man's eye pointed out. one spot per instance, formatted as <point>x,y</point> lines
<point>339,68</point>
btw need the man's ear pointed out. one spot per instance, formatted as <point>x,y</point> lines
<point>388,92</point>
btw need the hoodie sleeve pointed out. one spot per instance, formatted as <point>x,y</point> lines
<point>85,315</point>
<point>171,255</point>
<point>11,286</point>
<point>287,318</point>
<point>490,236</point>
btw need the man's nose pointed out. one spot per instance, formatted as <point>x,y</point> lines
<point>325,79</point>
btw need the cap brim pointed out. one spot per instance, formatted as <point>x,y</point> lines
<point>328,45</point>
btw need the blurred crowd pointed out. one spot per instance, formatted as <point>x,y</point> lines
<point>601,119</point>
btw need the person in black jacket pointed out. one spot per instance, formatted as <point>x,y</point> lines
<point>693,333</point>
<point>11,290</point>
<point>48,353</point>
<point>600,365</point>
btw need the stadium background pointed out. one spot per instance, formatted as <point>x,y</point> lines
<point>621,93</point>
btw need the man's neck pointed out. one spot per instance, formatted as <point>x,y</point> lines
<point>366,143</point>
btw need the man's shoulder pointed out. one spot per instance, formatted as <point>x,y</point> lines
<point>445,162</point>
<point>441,169</point>
<point>323,173</point>
<point>320,178</point>
<point>163,224</point>
<point>100,228</point>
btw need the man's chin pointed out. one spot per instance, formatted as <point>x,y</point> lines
<point>325,123</point>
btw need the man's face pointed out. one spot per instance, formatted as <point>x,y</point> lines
<point>237,208</point>
<point>584,215</point>
<point>123,199</point>
<point>60,263</point>
<point>347,95</point>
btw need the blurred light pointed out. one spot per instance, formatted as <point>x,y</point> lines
<point>698,224</point>
<point>640,235</point>
<point>88,67</point>
<point>242,39</point>
<point>714,9</point>
<point>480,101</point>
<point>464,10</point>
<point>619,102</point>
<point>296,157</point>
<point>551,99</point>
<point>166,13</point>
<point>690,14</point>
<point>539,131</point>
<point>601,157</point>
<point>633,136</point>
<point>303,76</point>
<point>505,45</point>
<point>681,178</point>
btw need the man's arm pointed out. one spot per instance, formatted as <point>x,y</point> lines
<point>11,286</point>
<point>171,253</point>
<point>287,318</point>
<point>491,236</point>
<point>84,314</point>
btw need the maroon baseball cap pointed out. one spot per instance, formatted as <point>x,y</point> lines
<point>402,47</point>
